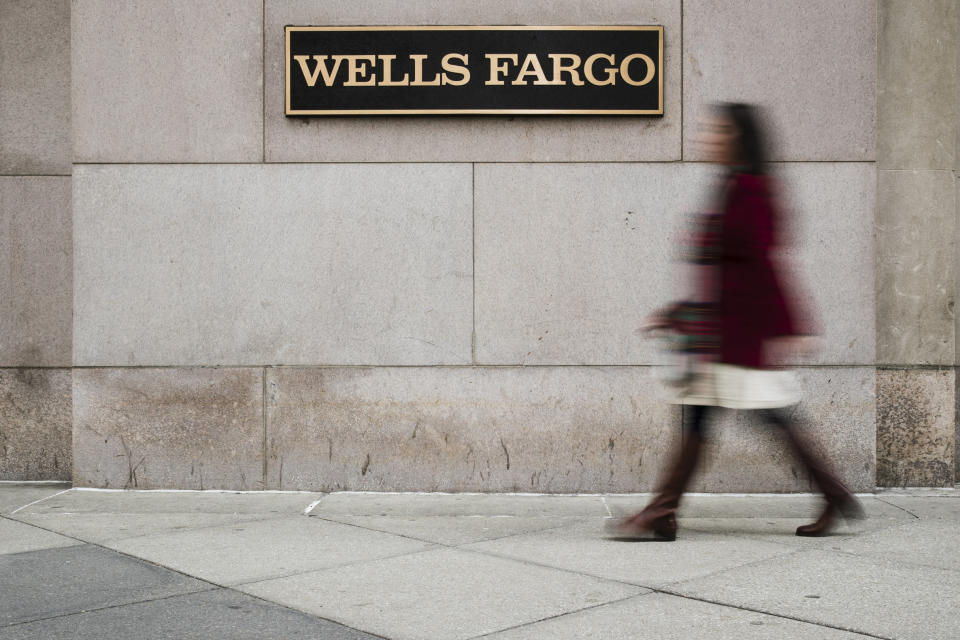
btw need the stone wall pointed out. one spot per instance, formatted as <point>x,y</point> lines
<point>451,303</point>
<point>916,235</point>
<point>36,247</point>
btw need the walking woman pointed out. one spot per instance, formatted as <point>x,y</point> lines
<point>736,328</point>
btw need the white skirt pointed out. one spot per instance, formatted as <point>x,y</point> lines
<point>734,387</point>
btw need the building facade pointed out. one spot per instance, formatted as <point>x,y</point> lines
<point>202,293</point>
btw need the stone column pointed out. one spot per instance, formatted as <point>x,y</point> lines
<point>36,248</point>
<point>916,227</point>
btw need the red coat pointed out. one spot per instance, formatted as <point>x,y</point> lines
<point>753,304</point>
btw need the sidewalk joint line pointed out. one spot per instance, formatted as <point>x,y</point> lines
<point>352,563</point>
<point>38,501</point>
<point>561,615</point>
<point>112,606</point>
<point>260,517</point>
<point>898,507</point>
<point>772,614</point>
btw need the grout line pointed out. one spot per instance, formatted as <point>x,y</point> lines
<point>112,606</point>
<point>263,417</point>
<point>237,491</point>
<point>38,501</point>
<point>771,613</point>
<point>253,518</point>
<point>676,595</point>
<point>473,215</point>
<point>915,170</point>
<point>46,368</point>
<point>36,175</point>
<point>461,161</point>
<point>560,615</point>
<point>349,563</point>
<point>465,365</point>
<point>263,81</point>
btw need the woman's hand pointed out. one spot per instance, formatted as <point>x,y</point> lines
<point>656,321</point>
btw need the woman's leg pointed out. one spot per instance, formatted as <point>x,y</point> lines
<point>839,499</point>
<point>659,517</point>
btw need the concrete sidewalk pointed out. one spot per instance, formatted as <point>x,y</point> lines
<point>95,564</point>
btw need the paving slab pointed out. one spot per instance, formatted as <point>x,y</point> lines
<point>55,582</point>
<point>17,496</point>
<point>258,502</point>
<point>423,596</point>
<point>455,530</point>
<point>458,504</point>
<point>922,542</point>
<point>16,537</point>
<point>782,530</point>
<point>264,549</point>
<point>211,614</point>
<point>101,528</point>
<point>888,599</point>
<point>667,617</point>
<point>753,506</point>
<point>585,548</point>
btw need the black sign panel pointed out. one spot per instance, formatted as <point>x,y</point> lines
<point>613,70</point>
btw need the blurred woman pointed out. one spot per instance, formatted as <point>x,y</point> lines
<point>738,325</point>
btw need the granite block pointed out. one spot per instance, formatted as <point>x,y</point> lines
<point>35,87</point>
<point>172,428</point>
<point>541,429</point>
<point>36,423</point>
<point>918,87</point>
<point>915,428</point>
<point>36,272</point>
<point>837,418</point>
<point>167,81</point>
<point>811,64</point>
<point>916,253</point>
<point>273,264</point>
<point>571,258</point>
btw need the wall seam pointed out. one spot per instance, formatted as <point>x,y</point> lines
<point>473,235</point>
<point>263,81</point>
<point>263,416</point>
<point>934,367</point>
<point>447,162</point>
<point>682,2</point>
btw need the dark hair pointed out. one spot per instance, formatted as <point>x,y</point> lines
<point>750,143</point>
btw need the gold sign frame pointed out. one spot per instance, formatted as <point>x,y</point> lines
<point>530,112</point>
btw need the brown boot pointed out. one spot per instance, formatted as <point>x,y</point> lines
<point>658,519</point>
<point>839,499</point>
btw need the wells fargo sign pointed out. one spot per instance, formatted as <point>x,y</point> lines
<point>613,70</point>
